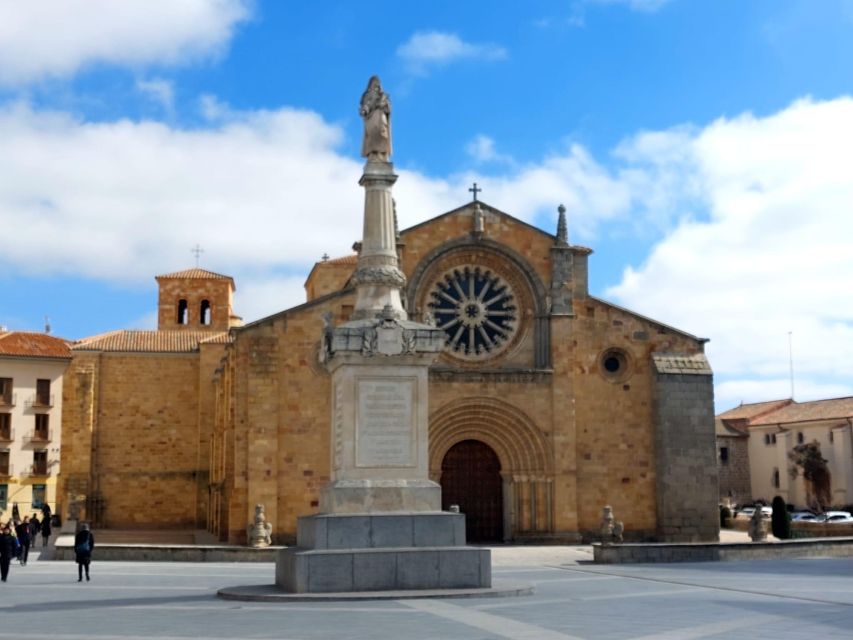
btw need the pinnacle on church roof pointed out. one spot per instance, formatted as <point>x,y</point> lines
<point>562,227</point>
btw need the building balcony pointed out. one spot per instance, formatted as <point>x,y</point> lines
<point>39,402</point>
<point>7,435</point>
<point>8,401</point>
<point>36,471</point>
<point>39,437</point>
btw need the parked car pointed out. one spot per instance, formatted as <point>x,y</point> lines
<point>746,513</point>
<point>805,516</point>
<point>838,517</point>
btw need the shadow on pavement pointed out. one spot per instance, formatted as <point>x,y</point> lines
<point>44,607</point>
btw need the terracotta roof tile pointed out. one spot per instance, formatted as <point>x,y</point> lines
<point>29,344</point>
<point>724,428</point>
<point>753,410</point>
<point>835,408</point>
<point>352,259</point>
<point>201,274</point>
<point>151,341</point>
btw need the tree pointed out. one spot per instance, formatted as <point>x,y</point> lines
<point>781,522</point>
<point>806,459</point>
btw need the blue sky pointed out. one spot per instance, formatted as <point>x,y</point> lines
<point>703,149</point>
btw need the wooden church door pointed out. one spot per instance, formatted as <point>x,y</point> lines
<point>471,478</point>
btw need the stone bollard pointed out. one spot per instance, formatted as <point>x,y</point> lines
<point>260,531</point>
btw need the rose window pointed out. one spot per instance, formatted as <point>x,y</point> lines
<point>476,309</point>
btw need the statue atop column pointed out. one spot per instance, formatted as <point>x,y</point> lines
<point>376,110</point>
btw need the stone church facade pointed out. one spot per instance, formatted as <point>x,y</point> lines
<point>547,404</point>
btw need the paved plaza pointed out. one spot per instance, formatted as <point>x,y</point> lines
<point>808,598</point>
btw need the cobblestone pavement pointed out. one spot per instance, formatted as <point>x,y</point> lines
<point>806,598</point>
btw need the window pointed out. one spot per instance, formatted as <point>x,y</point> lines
<point>772,438</point>
<point>831,436</point>
<point>43,393</point>
<point>40,463</point>
<point>766,438</point>
<point>775,478</point>
<point>206,313</point>
<point>39,495</point>
<point>4,496</point>
<point>6,391</point>
<point>724,455</point>
<point>800,438</point>
<point>4,464</point>
<point>5,426</point>
<point>183,312</point>
<point>42,430</point>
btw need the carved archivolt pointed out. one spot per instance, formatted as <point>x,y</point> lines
<point>521,446</point>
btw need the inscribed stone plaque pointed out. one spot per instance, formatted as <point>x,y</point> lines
<point>385,423</point>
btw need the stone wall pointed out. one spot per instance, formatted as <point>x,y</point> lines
<point>133,437</point>
<point>734,473</point>
<point>687,482</point>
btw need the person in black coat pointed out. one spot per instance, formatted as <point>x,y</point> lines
<point>84,543</point>
<point>7,550</point>
<point>45,532</point>
<point>23,531</point>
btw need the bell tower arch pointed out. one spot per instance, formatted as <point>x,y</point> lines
<point>196,299</point>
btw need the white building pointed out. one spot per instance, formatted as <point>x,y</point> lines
<point>775,428</point>
<point>31,370</point>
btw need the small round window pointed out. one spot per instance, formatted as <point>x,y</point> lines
<point>615,365</point>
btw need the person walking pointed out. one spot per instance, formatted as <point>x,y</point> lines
<point>7,550</point>
<point>24,539</point>
<point>84,543</point>
<point>45,533</point>
<point>35,527</point>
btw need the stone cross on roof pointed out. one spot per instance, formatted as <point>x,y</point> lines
<point>475,190</point>
<point>197,250</point>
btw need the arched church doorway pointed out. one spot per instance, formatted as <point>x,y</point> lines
<point>471,478</point>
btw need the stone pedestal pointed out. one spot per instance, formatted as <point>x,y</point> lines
<point>382,552</point>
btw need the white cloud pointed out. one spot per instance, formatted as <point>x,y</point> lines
<point>427,49</point>
<point>41,40</point>
<point>482,149</point>
<point>259,296</point>
<point>772,255</point>
<point>160,91</point>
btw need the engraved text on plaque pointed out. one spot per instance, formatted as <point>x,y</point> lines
<point>385,423</point>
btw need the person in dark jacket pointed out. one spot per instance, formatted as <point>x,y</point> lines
<point>7,550</point>
<point>45,532</point>
<point>23,531</point>
<point>35,527</point>
<point>84,543</point>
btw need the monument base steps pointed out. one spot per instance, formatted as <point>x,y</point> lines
<point>382,552</point>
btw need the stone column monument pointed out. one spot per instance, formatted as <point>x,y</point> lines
<point>381,526</point>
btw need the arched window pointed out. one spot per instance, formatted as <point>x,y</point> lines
<point>183,312</point>
<point>206,313</point>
